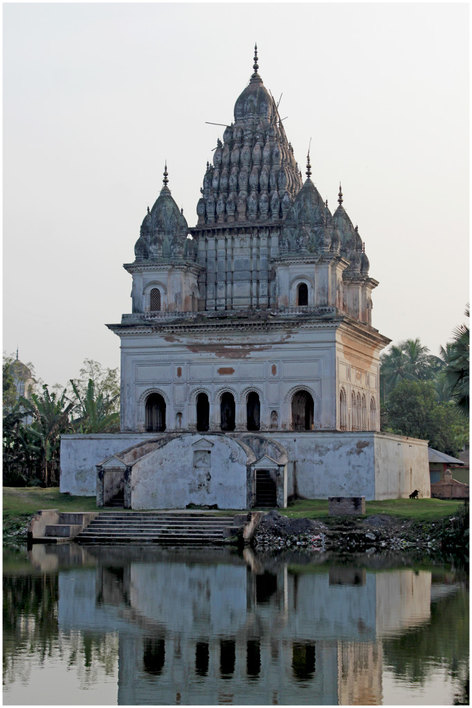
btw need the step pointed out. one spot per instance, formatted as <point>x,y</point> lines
<point>164,528</point>
<point>62,530</point>
<point>135,532</point>
<point>158,522</point>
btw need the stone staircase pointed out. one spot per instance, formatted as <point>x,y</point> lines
<point>53,526</point>
<point>163,528</point>
<point>266,495</point>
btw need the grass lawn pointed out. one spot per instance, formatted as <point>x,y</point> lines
<point>22,502</point>
<point>415,509</point>
<point>28,500</point>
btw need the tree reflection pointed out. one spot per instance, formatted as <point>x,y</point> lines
<point>444,640</point>
<point>30,627</point>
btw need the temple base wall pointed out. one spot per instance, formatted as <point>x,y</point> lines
<point>320,464</point>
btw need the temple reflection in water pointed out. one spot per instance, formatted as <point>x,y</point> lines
<point>209,628</point>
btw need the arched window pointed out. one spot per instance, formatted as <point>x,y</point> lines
<point>354,411</point>
<point>203,412</point>
<point>253,411</point>
<point>342,410</point>
<point>373,414</point>
<point>155,300</point>
<point>302,295</point>
<point>364,413</point>
<point>227,412</point>
<point>155,413</point>
<point>303,409</point>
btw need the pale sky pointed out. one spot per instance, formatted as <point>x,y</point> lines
<point>97,96</point>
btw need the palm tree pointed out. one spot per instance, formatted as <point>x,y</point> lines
<point>456,358</point>
<point>50,412</point>
<point>96,411</point>
<point>21,453</point>
<point>407,361</point>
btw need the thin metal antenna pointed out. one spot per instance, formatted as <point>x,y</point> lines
<point>278,103</point>
<point>225,125</point>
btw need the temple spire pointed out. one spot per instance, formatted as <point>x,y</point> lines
<point>340,195</point>
<point>165,180</point>
<point>256,65</point>
<point>308,165</point>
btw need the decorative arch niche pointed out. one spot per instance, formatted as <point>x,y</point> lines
<point>342,410</point>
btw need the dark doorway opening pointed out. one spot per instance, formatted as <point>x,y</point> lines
<point>302,411</point>
<point>302,295</point>
<point>155,413</point>
<point>203,412</point>
<point>253,411</point>
<point>266,492</point>
<point>228,412</point>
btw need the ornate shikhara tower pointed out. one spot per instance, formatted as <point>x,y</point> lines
<point>259,317</point>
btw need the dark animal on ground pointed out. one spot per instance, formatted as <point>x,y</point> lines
<point>414,495</point>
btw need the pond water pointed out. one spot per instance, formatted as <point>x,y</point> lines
<point>148,626</point>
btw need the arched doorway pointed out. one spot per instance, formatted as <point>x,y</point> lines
<point>302,295</point>
<point>253,411</point>
<point>203,412</point>
<point>155,413</point>
<point>302,411</point>
<point>227,412</point>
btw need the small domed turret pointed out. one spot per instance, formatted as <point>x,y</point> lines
<point>164,228</point>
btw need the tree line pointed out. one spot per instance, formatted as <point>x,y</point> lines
<point>34,422</point>
<point>425,396</point>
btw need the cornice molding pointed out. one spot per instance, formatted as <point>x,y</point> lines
<point>215,326</point>
<point>147,267</point>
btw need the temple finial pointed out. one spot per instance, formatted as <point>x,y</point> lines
<point>165,180</point>
<point>340,195</point>
<point>256,65</point>
<point>308,165</point>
